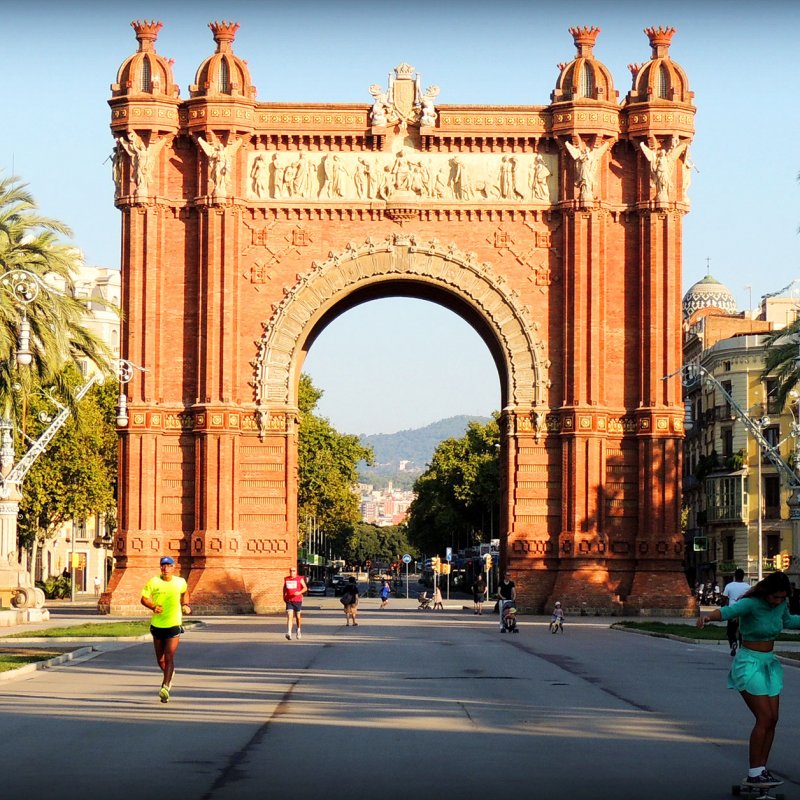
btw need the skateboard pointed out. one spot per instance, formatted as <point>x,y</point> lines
<point>756,792</point>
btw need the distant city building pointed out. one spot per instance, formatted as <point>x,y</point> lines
<point>88,540</point>
<point>384,507</point>
<point>726,477</point>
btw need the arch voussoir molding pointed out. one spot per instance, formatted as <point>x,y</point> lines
<point>400,257</point>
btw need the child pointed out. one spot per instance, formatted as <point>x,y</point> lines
<point>557,620</point>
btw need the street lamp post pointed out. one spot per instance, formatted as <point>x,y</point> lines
<point>24,288</point>
<point>762,423</point>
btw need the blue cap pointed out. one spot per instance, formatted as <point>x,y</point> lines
<point>167,560</point>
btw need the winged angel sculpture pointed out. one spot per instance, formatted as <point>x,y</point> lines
<point>586,161</point>
<point>662,167</point>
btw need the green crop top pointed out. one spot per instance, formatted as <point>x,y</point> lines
<point>758,620</point>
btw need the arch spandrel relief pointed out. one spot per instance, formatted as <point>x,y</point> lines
<point>522,178</point>
<point>401,255</point>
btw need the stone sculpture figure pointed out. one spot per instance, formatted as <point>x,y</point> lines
<point>116,169</point>
<point>539,175</point>
<point>141,156</point>
<point>259,176</point>
<point>277,177</point>
<point>427,108</point>
<point>688,168</point>
<point>586,162</point>
<point>380,106</point>
<point>662,164</point>
<point>440,184</point>
<point>219,164</point>
<point>303,173</point>
<point>460,180</point>
<point>335,175</point>
<point>401,173</point>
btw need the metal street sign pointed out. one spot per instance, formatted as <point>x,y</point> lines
<point>407,559</point>
<point>448,554</point>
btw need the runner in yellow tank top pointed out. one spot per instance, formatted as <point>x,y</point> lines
<point>166,596</point>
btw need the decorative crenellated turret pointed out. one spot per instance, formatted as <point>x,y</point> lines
<point>660,78</point>
<point>223,73</point>
<point>145,95</point>
<point>583,84</point>
<point>584,78</point>
<point>659,112</point>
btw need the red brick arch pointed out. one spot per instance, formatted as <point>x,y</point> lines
<point>388,267</point>
<point>248,226</point>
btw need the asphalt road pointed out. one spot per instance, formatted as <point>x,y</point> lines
<point>410,704</point>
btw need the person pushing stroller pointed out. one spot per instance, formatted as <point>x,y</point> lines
<point>507,592</point>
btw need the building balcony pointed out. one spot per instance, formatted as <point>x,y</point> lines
<point>725,498</point>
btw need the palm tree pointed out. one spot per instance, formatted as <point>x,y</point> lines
<point>30,245</point>
<point>783,360</point>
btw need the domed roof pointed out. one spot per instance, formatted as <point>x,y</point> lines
<point>584,78</point>
<point>660,78</point>
<point>223,73</point>
<point>708,293</point>
<point>145,73</point>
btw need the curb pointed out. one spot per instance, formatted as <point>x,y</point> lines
<point>790,662</point>
<point>81,654</point>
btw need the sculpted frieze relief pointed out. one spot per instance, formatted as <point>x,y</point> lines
<point>526,178</point>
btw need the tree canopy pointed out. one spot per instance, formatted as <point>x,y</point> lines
<point>327,468</point>
<point>77,476</point>
<point>457,497</point>
<point>36,283</point>
<point>783,360</point>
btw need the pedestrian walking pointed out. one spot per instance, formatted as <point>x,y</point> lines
<point>733,591</point>
<point>97,586</point>
<point>349,600</point>
<point>167,597</point>
<point>479,593</point>
<point>294,587</point>
<point>763,612</point>
<point>437,599</point>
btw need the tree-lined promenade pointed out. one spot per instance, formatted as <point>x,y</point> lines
<point>435,705</point>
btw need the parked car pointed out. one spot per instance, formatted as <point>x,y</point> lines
<point>339,588</point>
<point>317,589</point>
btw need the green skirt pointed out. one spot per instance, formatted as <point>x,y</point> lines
<point>755,672</point>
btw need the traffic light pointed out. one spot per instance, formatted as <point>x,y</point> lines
<point>436,564</point>
<point>781,561</point>
<point>445,569</point>
<point>487,561</point>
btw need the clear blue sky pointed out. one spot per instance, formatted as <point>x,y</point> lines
<point>419,363</point>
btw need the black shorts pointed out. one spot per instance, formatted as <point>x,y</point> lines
<point>166,633</point>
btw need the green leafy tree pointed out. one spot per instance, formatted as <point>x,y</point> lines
<point>77,476</point>
<point>783,360</point>
<point>59,335</point>
<point>363,541</point>
<point>327,468</point>
<point>458,494</point>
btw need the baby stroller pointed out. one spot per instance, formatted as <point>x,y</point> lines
<point>508,615</point>
<point>424,602</point>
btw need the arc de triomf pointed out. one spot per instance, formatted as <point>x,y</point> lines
<point>554,230</point>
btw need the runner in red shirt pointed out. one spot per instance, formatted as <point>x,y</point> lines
<point>294,587</point>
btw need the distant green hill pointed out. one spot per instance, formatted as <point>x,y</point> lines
<point>412,448</point>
